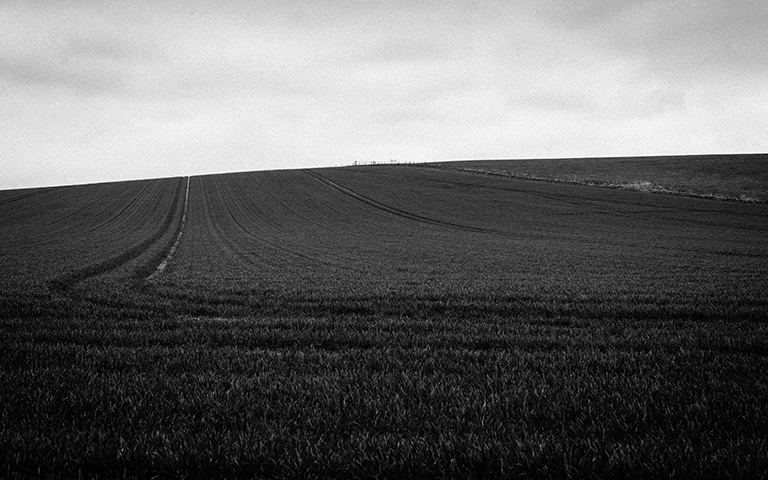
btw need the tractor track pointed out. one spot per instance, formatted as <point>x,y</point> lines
<point>397,211</point>
<point>164,263</point>
<point>65,282</point>
<point>238,213</point>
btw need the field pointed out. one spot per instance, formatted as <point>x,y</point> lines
<point>421,321</point>
<point>731,177</point>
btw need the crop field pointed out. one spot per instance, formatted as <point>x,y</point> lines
<point>733,177</point>
<point>394,321</point>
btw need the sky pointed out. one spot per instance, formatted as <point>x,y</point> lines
<point>94,90</point>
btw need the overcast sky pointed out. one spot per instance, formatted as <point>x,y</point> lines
<point>95,90</point>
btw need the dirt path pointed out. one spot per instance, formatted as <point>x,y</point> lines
<point>164,263</point>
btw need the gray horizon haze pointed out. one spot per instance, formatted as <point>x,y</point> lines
<point>94,91</point>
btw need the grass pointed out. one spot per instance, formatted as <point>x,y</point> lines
<point>733,177</point>
<point>296,397</point>
<point>383,322</point>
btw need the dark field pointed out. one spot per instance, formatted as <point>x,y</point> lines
<point>390,321</point>
<point>733,177</point>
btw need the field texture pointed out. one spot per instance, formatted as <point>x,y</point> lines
<point>390,321</point>
<point>731,177</point>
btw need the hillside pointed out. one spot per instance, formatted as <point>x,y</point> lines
<point>376,234</point>
<point>735,177</point>
<point>391,321</point>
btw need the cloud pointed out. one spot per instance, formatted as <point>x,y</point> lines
<point>687,39</point>
<point>408,50</point>
<point>88,64</point>
<point>698,39</point>
<point>103,49</point>
<point>55,48</point>
<point>99,90</point>
<point>25,71</point>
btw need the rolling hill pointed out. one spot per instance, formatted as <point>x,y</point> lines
<point>391,234</point>
<point>420,320</point>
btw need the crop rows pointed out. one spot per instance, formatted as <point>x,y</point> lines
<point>733,177</point>
<point>390,321</point>
<point>416,238</point>
<point>61,237</point>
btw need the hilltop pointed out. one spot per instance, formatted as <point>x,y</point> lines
<point>392,320</point>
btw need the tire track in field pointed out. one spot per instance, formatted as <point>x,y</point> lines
<point>239,223</point>
<point>332,219</point>
<point>64,282</point>
<point>8,210</point>
<point>394,210</point>
<point>608,204</point>
<point>84,207</point>
<point>124,209</point>
<point>160,268</point>
<point>23,196</point>
<point>305,200</point>
<point>286,193</point>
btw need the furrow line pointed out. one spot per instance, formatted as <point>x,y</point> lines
<point>64,282</point>
<point>242,210</point>
<point>23,196</point>
<point>117,215</point>
<point>98,200</point>
<point>396,211</point>
<point>161,268</point>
